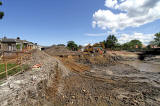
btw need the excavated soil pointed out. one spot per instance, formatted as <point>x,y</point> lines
<point>89,91</point>
<point>107,82</point>
<point>59,50</point>
<point>81,81</point>
<point>30,87</point>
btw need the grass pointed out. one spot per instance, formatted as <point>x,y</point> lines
<point>13,71</point>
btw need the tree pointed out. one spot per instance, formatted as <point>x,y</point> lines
<point>157,39</point>
<point>126,46</point>
<point>132,45</point>
<point>135,43</point>
<point>111,41</point>
<point>1,13</point>
<point>72,46</point>
<point>118,46</point>
<point>18,46</point>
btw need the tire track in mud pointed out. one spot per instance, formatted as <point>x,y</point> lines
<point>83,71</point>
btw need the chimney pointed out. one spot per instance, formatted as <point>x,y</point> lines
<point>18,38</point>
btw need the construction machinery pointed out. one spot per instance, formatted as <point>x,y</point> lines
<point>96,48</point>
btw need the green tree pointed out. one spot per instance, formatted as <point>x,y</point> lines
<point>157,39</point>
<point>18,46</point>
<point>132,45</point>
<point>71,45</point>
<point>118,46</point>
<point>126,46</point>
<point>111,42</point>
<point>1,13</point>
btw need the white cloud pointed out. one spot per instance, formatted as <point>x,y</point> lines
<point>97,34</point>
<point>94,24</point>
<point>144,38</point>
<point>133,13</point>
<point>111,3</point>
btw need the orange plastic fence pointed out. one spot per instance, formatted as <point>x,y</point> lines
<point>19,60</point>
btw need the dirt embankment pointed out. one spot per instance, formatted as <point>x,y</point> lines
<point>124,55</point>
<point>59,50</point>
<point>31,88</point>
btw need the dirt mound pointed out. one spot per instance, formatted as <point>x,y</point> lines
<point>30,87</point>
<point>124,55</point>
<point>100,60</point>
<point>58,50</point>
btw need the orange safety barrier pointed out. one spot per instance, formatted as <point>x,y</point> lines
<point>19,60</point>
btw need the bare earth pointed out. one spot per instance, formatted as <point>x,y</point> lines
<point>84,81</point>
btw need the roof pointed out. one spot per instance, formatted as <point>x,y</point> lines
<point>8,40</point>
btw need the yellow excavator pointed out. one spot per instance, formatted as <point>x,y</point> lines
<point>96,48</point>
<point>88,49</point>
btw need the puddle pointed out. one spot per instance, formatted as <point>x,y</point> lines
<point>143,66</point>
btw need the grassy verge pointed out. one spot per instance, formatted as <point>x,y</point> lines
<point>13,71</point>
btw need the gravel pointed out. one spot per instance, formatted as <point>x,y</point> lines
<point>22,89</point>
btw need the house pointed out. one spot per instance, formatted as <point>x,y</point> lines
<point>9,44</point>
<point>137,46</point>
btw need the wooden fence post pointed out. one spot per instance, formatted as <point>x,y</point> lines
<point>21,64</point>
<point>6,70</point>
<point>3,56</point>
<point>17,57</point>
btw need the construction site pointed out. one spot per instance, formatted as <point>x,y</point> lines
<point>79,52</point>
<point>60,77</point>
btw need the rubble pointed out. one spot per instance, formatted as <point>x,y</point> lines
<point>29,87</point>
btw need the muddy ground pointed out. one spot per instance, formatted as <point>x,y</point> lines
<point>107,82</point>
<point>110,81</point>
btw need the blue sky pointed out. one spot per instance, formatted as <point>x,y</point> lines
<point>58,21</point>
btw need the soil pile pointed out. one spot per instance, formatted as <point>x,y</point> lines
<point>59,50</point>
<point>124,55</point>
<point>99,60</point>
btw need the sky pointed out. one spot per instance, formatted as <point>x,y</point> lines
<point>83,21</point>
